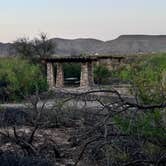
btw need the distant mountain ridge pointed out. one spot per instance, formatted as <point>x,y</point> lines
<point>124,44</point>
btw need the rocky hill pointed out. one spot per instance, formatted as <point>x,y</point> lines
<point>125,44</point>
<point>77,46</point>
<point>134,44</point>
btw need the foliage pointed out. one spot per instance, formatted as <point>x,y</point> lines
<point>146,128</point>
<point>145,124</point>
<point>33,49</point>
<point>148,77</point>
<point>101,74</point>
<point>19,78</point>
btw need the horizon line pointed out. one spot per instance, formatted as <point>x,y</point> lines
<point>93,38</point>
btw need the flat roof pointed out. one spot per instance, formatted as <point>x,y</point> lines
<point>59,58</point>
<point>80,58</point>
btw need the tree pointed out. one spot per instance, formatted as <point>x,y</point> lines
<point>42,46</point>
<point>34,49</point>
<point>24,47</point>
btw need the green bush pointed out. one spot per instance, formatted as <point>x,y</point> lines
<point>101,74</point>
<point>19,78</point>
<point>148,77</point>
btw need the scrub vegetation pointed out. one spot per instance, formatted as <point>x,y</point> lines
<point>85,128</point>
<point>20,78</point>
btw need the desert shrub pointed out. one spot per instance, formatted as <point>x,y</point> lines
<point>11,159</point>
<point>148,77</point>
<point>101,74</point>
<point>12,116</point>
<point>150,124</point>
<point>19,78</point>
<point>146,131</point>
<point>142,130</point>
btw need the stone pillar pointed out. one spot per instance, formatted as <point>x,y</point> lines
<point>87,78</point>
<point>91,74</point>
<point>110,64</point>
<point>50,76</point>
<point>59,76</point>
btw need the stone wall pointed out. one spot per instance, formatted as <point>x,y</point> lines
<point>50,75</point>
<point>111,64</point>
<point>59,76</point>
<point>86,79</point>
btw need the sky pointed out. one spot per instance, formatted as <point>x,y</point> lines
<point>100,19</point>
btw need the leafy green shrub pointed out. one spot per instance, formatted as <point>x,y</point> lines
<point>148,77</point>
<point>145,124</point>
<point>19,78</point>
<point>101,74</point>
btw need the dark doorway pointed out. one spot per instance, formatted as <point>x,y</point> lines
<point>72,72</point>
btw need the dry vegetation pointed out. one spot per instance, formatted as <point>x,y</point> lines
<point>115,133</point>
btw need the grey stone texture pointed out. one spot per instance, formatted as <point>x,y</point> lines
<point>87,78</point>
<point>50,76</point>
<point>60,76</point>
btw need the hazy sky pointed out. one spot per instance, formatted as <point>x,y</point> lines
<point>102,19</point>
